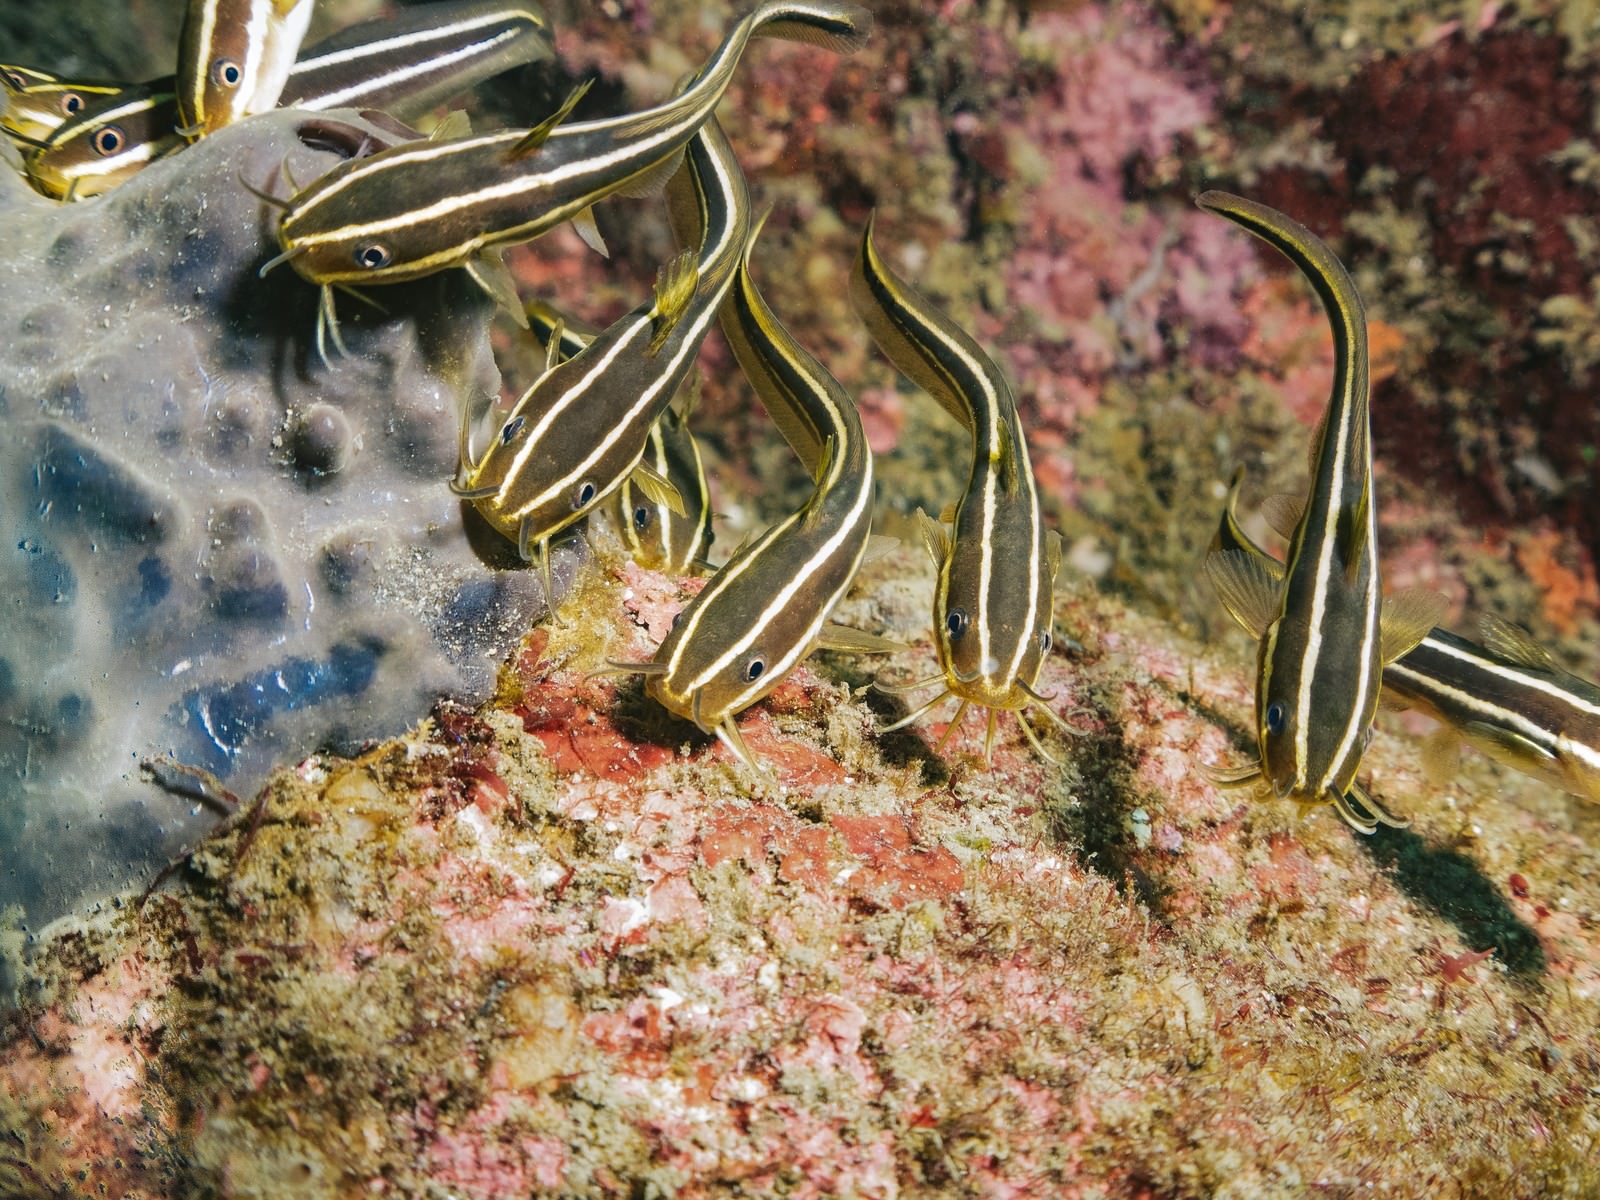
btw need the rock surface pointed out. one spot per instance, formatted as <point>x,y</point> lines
<point>564,946</point>
<point>222,550</point>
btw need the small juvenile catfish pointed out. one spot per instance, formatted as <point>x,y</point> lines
<point>234,56</point>
<point>583,426</point>
<point>412,210</point>
<point>405,65</point>
<point>768,606</point>
<point>997,568</point>
<point>657,537</point>
<point>34,108</point>
<point>1508,697</point>
<point>1323,629</point>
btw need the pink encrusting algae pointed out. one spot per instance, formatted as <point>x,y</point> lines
<point>563,945</point>
<point>471,958</point>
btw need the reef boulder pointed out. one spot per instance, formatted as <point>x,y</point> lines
<point>224,551</point>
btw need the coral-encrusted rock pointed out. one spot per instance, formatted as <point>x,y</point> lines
<point>219,549</point>
<point>563,946</point>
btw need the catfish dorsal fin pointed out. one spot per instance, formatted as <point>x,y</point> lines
<point>1004,456</point>
<point>1354,541</point>
<point>538,135</point>
<point>676,284</point>
<point>824,461</point>
<point>1515,643</point>
<point>814,509</point>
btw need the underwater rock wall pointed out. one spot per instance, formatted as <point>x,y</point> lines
<point>219,549</point>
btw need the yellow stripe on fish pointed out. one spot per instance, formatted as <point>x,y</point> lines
<point>1322,635</point>
<point>1508,698</point>
<point>34,111</point>
<point>234,57</point>
<point>405,65</point>
<point>996,590</point>
<point>656,537</point>
<point>768,607</point>
<point>412,210</point>
<point>583,426</point>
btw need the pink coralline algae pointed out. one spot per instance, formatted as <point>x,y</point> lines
<point>477,958</point>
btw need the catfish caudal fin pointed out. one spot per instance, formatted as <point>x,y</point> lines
<point>1245,587</point>
<point>841,28</point>
<point>1406,619</point>
<point>676,284</point>
<point>540,133</point>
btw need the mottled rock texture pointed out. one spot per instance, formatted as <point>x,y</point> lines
<point>218,548</point>
<point>564,946</point>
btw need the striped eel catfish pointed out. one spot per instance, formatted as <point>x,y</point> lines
<point>1507,698</point>
<point>767,608</point>
<point>995,596</point>
<point>404,65</point>
<point>234,57</point>
<point>34,110</point>
<point>14,77</point>
<point>412,210</point>
<point>1323,633</point>
<point>656,536</point>
<point>583,427</point>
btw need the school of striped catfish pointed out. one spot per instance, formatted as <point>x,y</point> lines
<point>597,430</point>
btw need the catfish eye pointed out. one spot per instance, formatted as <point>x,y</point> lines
<point>1277,718</point>
<point>677,619</point>
<point>109,141</point>
<point>226,73</point>
<point>584,496</point>
<point>641,518</point>
<point>71,103</point>
<point>512,428</point>
<point>956,622</point>
<point>13,80</point>
<point>753,669</point>
<point>1045,642</point>
<point>373,256</point>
